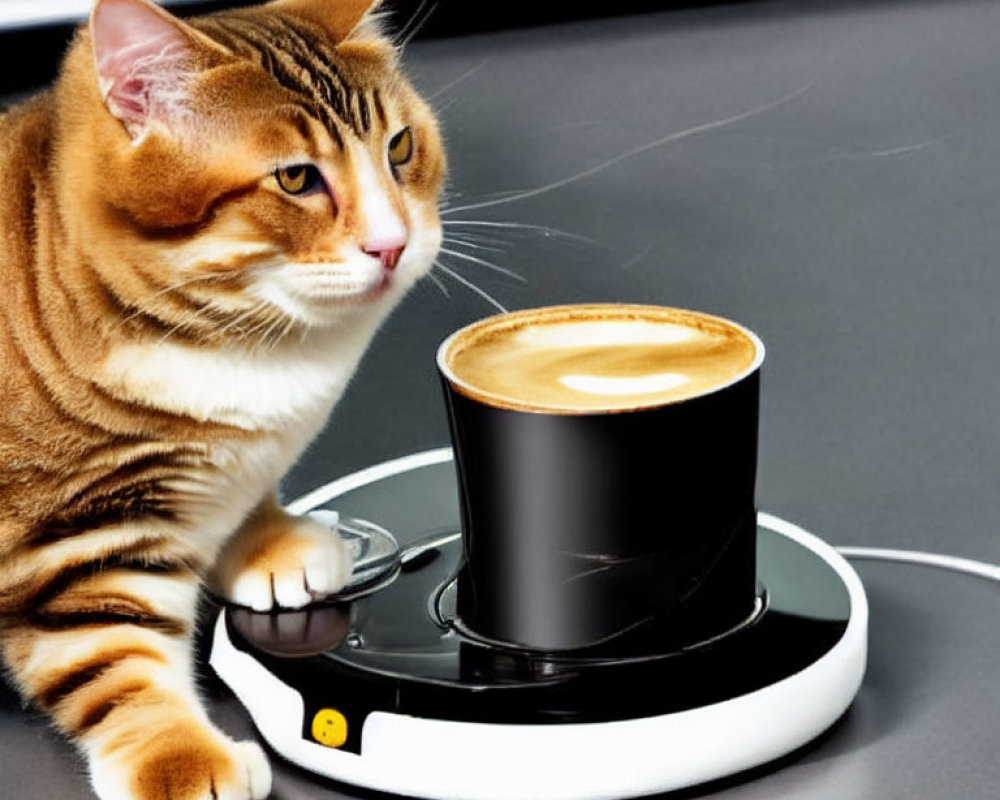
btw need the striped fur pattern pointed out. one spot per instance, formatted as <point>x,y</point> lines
<point>202,226</point>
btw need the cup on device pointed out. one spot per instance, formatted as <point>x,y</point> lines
<point>606,460</point>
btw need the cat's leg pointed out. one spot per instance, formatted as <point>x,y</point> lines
<point>108,655</point>
<point>277,560</point>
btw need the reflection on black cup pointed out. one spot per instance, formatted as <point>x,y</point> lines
<point>606,458</point>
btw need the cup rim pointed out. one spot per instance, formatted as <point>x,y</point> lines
<point>503,403</point>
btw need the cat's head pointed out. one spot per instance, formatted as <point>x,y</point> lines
<point>250,172</point>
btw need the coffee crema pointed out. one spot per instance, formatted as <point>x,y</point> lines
<point>596,358</point>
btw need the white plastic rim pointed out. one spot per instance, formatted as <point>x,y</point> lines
<point>356,480</point>
<point>592,761</point>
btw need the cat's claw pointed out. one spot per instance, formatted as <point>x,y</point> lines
<point>301,563</point>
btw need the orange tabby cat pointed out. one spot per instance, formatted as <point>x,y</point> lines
<point>202,225</point>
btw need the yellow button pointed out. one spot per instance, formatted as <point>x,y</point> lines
<point>329,727</point>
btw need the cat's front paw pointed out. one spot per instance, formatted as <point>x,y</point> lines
<point>181,764</point>
<point>285,562</point>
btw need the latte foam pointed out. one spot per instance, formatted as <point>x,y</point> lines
<point>594,358</point>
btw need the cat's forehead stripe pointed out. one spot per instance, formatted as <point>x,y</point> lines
<point>250,38</point>
<point>301,66</point>
<point>363,113</point>
<point>379,108</point>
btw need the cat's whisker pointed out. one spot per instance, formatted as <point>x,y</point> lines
<point>414,24</point>
<point>240,318</point>
<point>189,318</point>
<point>210,307</point>
<point>274,328</point>
<point>262,330</point>
<point>477,236</point>
<point>523,226</point>
<point>489,197</point>
<point>460,79</point>
<point>865,155</point>
<point>442,108</point>
<point>290,326</point>
<point>271,336</point>
<point>279,334</point>
<point>270,317</point>
<point>637,258</point>
<point>143,308</point>
<point>484,263</point>
<point>471,286</point>
<point>447,195</point>
<point>234,327</point>
<point>479,244</point>
<point>671,138</point>
<point>439,283</point>
<point>186,319</point>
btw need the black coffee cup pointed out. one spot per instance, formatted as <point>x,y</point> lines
<point>606,462</point>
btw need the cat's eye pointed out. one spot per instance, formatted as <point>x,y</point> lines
<point>401,148</point>
<point>298,178</point>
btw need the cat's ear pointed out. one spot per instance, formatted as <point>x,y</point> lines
<point>339,17</point>
<point>145,59</point>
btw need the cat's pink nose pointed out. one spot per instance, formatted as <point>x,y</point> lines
<point>388,252</point>
<point>389,258</point>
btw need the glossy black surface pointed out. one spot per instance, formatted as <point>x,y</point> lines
<point>604,529</point>
<point>401,653</point>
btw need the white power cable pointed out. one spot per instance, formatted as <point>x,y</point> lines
<point>968,566</point>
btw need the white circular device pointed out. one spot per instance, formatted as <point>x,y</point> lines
<point>387,693</point>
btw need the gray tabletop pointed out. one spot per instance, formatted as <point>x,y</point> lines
<point>824,172</point>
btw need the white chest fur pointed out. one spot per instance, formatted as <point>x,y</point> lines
<point>269,389</point>
<point>283,395</point>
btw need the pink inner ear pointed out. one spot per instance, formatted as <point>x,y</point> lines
<point>142,57</point>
